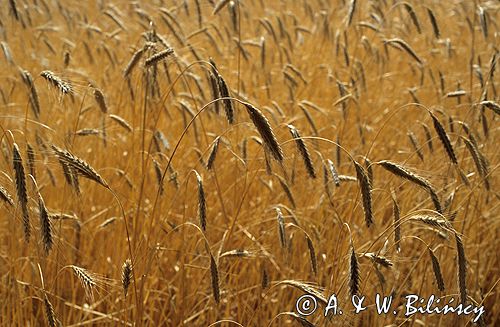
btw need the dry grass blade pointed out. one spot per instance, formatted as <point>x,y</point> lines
<point>462,269</point>
<point>30,152</point>
<point>5,196</point>
<point>366,192</point>
<point>79,165</point>
<point>437,270</point>
<point>416,146</point>
<point>304,152</point>
<point>445,140</point>
<point>22,195</point>
<point>428,137</point>
<point>126,275</point>
<point>287,190</point>
<point>214,272</point>
<point>266,132</point>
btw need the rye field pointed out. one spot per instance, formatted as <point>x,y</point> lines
<point>249,163</point>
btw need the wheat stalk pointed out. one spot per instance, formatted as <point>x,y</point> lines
<point>213,153</point>
<point>304,152</point>
<point>34,100</point>
<point>493,106</point>
<point>224,93</point>
<point>126,275</point>
<point>435,221</point>
<point>22,195</point>
<point>366,193</point>
<point>50,314</point>
<point>281,228</point>
<point>445,140</point>
<point>122,122</point>
<point>437,271</point>
<point>354,274</point>
<point>405,173</point>
<point>480,165</point>
<point>99,98</point>
<point>413,16</point>
<point>79,165</point>
<point>215,279</point>
<point>154,59</point>
<point>55,80</point>
<point>87,280</point>
<point>45,223</point>
<point>434,23</point>
<point>202,206</point>
<point>381,260</point>
<point>266,132</point>
<point>462,269</point>
<point>238,253</point>
<point>133,61</point>
<point>312,255</point>
<point>397,221</point>
<point>399,43</point>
